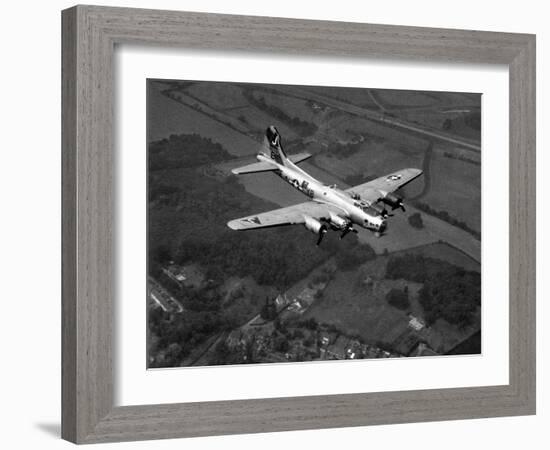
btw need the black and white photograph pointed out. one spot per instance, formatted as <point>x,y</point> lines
<point>292,224</point>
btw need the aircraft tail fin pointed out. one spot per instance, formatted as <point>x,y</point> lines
<point>276,154</point>
<point>273,141</point>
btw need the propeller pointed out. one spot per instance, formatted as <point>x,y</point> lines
<point>322,233</point>
<point>379,207</point>
<point>400,205</point>
<point>385,213</point>
<point>346,230</point>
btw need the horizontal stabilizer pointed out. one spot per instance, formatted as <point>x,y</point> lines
<point>299,157</point>
<point>255,167</point>
<point>266,166</point>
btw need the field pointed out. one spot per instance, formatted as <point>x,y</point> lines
<point>456,188</point>
<point>360,97</point>
<point>359,309</point>
<point>168,116</point>
<point>445,252</point>
<point>356,301</point>
<point>404,236</point>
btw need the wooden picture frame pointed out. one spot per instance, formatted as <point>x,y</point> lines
<point>90,34</point>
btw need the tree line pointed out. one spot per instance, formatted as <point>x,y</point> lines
<point>448,292</point>
<point>302,127</point>
<point>445,216</point>
<point>184,151</point>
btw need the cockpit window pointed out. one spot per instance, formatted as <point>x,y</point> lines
<point>368,209</point>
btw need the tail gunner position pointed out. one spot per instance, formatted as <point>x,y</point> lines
<point>328,207</point>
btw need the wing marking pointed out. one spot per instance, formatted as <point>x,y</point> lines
<point>374,189</point>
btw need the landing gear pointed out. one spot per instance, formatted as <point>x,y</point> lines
<point>346,230</point>
<point>322,232</point>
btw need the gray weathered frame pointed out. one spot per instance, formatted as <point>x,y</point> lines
<point>89,36</point>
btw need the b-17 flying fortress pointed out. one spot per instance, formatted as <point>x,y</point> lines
<point>330,207</point>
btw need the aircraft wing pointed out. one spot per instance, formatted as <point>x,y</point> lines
<point>299,157</point>
<point>374,189</point>
<point>290,215</point>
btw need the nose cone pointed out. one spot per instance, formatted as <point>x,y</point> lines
<point>383,225</point>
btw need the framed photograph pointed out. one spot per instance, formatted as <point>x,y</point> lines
<point>277,224</point>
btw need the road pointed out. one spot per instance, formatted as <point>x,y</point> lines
<point>426,171</point>
<point>380,117</point>
<point>375,100</point>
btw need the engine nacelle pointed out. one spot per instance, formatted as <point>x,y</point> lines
<point>314,225</point>
<point>372,210</point>
<point>393,200</point>
<point>379,209</point>
<point>338,223</point>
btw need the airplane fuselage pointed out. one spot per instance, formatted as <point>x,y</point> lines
<point>348,208</point>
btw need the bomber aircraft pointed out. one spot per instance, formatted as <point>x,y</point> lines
<point>329,207</point>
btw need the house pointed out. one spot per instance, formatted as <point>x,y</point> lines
<point>327,337</point>
<point>306,296</point>
<point>406,342</point>
<point>368,281</point>
<point>190,275</point>
<point>281,301</point>
<point>423,350</point>
<point>175,273</point>
<point>235,339</point>
<point>297,306</point>
<point>338,350</point>
<point>354,349</point>
<point>415,323</point>
<point>161,297</point>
